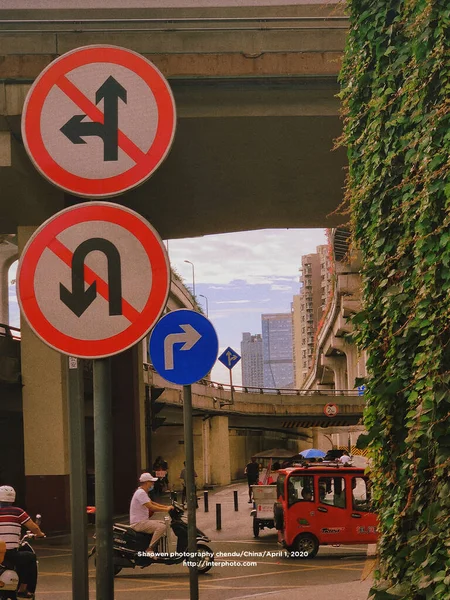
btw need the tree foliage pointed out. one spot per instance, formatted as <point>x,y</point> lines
<point>396,99</point>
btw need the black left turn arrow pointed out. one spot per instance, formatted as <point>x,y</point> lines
<point>77,128</point>
<point>79,299</point>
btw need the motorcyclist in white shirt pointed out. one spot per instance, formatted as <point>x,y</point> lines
<point>142,509</point>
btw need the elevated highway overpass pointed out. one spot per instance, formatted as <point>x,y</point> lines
<point>273,410</point>
<point>255,89</point>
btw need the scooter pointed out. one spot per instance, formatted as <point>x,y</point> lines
<point>130,546</point>
<point>9,580</point>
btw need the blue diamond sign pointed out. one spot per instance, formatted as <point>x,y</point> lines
<point>229,358</point>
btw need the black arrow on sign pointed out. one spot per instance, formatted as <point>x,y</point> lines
<point>79,299</point>
<point>76,128</point>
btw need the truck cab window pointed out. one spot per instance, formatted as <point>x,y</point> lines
<point>300,489</point>
<point>361,494</point>
<point>332,491</point>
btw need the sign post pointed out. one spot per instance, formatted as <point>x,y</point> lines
<point>77,452</point>
<point>103,457</point>
<point>92,281</point>
<point>183,348</point>
<point>230,358</point>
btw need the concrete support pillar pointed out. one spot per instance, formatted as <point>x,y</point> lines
<point>8,254</point>
<point>219,451</point>
<point>352,362</point>
<point>126,373</point>
<point>338,364</point>
<point>44,395</point>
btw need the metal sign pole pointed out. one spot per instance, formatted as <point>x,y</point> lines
<point>77,450</point>
<point>103,425</point>
<point>231,386</point>
<point>190,490</point>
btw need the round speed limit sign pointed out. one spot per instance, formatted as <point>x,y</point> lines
<point>330,410</point>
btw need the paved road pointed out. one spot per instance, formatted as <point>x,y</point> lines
<point>268,571</point>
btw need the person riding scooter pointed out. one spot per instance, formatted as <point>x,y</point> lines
<point>142,509</point>
<point>12,518</point>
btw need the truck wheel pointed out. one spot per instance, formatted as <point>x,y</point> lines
<point>278,516</point>
<point>306,546</point>
<point>255,527</point>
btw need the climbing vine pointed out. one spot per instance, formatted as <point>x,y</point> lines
<point>396,100</point>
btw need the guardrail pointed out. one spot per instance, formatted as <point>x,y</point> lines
<point>248,389</point>
<point>9,331</point>
<point>278,391</point>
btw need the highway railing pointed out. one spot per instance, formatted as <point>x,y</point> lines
<point>246,389</point>
<point>9,331</point>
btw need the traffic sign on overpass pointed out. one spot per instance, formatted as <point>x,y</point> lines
<point>93,280</point>
<point>229,358</point>
<point>183,346</point>
<point>98,121</point>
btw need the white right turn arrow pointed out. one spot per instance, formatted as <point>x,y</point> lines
<point>189,338</point>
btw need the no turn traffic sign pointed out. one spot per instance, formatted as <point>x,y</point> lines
<point>98,121</point>
<point>93,280</point>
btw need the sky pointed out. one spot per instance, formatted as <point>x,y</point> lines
<point>243,275</point>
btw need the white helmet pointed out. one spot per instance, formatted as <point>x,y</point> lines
<point>7,493</point>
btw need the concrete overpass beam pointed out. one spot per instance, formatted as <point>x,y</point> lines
<point>219,451</point>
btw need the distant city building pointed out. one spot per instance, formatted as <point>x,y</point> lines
<point>278,350</point>
<point>308,308</point>
<point>252,360</point>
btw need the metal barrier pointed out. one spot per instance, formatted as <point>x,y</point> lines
<point>9,331</point>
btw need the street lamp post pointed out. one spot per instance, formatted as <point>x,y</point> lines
<point>193,276</point>
<point>207,311</point>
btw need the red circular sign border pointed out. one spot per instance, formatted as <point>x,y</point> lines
<point>153,308</point>
<point>325,409</point>
<point>111,186</point>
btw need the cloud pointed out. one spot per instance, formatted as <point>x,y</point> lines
<point>253,257</point>
<point>232,301</point>
<point>281,288</point>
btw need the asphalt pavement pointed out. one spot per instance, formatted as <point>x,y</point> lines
<point>246,567</point>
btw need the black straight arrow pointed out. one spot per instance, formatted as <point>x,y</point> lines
<point>76,127</point>
<point>110,92</point>
<point>79,299</point>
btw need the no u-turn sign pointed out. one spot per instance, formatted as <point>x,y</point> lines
<point>98,121</point>
<point>93,280</point>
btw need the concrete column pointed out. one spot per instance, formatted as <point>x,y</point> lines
<point>352,361</point>
<point>8,254</point>
<point>126,373</point>
<point>44,395</point>
<point>338,365</point>
<point>219,451</point>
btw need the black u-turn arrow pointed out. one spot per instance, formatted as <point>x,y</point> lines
<point>79,299</point>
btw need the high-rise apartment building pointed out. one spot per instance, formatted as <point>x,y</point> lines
<point>309,307</point>
<point>278,350</point>
<point>252,360</point>
<point>326,282</point>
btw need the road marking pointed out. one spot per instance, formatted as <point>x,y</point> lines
<point>254,595</point>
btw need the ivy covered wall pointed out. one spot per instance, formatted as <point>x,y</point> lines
<point>396,98</point>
